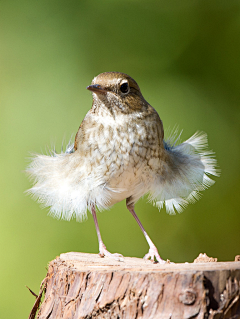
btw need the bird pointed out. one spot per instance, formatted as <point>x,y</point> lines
<point>120,153</point>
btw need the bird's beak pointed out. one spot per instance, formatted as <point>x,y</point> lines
<point>97,88</point>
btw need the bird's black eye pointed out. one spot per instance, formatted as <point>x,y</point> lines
<point>124,88</point>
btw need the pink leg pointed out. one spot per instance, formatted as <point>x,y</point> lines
<point>102,248</point>
<point>153,252</point>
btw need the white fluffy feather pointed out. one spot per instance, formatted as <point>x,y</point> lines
<point>69,184</point>
<point>66,185</point>
<point>192,166</point>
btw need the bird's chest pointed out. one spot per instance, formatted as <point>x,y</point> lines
<point>125,152</point>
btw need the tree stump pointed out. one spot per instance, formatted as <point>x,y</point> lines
<point>81,285</point>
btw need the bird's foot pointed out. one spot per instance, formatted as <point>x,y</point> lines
<point>154,256</point>
<point>103,252</point>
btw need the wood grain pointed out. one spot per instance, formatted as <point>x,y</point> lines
<point>82,285</point>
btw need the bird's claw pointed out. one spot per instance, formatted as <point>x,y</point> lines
<point>154,256</point>
<point>103,252</point>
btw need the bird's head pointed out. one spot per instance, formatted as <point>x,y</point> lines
<point>117,91</point>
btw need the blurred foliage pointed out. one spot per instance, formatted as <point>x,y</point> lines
<point>185,57</point>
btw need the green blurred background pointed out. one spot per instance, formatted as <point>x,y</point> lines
<point>185,56</point>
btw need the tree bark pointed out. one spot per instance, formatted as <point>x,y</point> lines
<point>85,286</point>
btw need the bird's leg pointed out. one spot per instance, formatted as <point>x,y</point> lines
<point>153,252</point>
<point>102,248</point>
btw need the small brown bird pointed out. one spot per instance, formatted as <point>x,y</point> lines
<point>120,153</point>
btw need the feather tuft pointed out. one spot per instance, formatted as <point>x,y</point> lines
<point>65,183</point>
<point>188,169</point>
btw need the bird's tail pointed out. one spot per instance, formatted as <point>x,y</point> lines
<point>186,173</point>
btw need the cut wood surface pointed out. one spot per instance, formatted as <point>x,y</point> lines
<point>80,285</point>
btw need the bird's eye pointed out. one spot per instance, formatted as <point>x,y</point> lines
<point>124,88</point>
